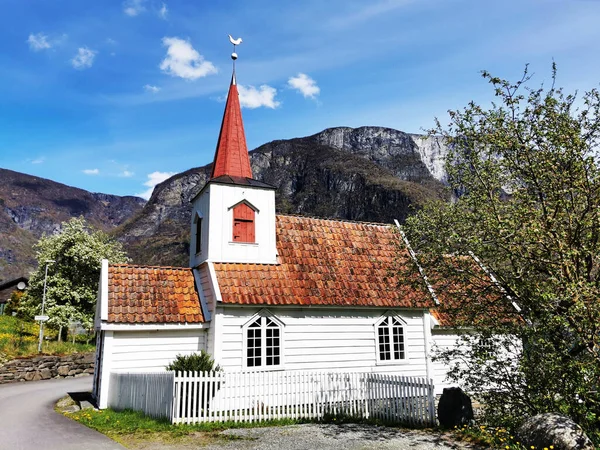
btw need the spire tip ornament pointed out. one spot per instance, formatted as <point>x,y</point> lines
<point>235,42</point>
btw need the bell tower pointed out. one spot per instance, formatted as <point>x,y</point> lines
<point>233,216</point>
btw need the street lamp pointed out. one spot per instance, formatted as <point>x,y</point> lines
<point>48,261</point>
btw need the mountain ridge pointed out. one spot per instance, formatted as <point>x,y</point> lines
<point>31,206</point>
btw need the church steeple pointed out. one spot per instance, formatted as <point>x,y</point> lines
<point>231,156</point>
<point>233,215</point>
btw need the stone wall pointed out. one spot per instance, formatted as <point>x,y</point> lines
<point>46,367</point>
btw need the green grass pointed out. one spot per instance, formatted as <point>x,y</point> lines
<point>131,427</point>
<point>494,437</point>
<point>19,338</point>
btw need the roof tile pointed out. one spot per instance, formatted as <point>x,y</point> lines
<point>148,294</point>
<point>325,262</point>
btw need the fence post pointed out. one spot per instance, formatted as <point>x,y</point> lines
<point>431,402</point>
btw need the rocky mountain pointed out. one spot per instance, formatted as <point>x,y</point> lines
<point>31,206</point>
<point>368,174</point>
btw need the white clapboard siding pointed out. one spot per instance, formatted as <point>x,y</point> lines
<point>330,339</point>
<point>151,393</point>
<point>442,340</point>
<point>151,351</point>
<point>445,339</point>
<point>259,396</point>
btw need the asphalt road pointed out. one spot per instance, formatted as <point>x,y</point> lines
<point>28,420</point>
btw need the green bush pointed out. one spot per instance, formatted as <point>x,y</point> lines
<point>196,362</point>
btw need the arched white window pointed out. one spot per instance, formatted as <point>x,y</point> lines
<point>263,343</point>
<point>391,339</point>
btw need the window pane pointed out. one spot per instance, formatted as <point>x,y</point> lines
<point>272,343</point>
<point>398,337</point>
<point>384,342</point>
<point>253,343</point>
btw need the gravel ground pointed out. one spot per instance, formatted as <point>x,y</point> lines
<point>326,437</point>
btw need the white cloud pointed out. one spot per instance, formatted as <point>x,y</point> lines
<point>151,88</point>
<point>251,97</point>
<point>84,58</point>
<point>126,174</point>
<point>162,13</point>
<point>153,179</point>
<point>39,160</point>
<point>134,7</point>
<point>38,42</point>
<point>184,61</point>
<point>305,85</point>
<point>91,171</point>
<point>111,41</point>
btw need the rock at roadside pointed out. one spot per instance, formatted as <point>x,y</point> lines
<point>549,429</point>
<point>454,408</point>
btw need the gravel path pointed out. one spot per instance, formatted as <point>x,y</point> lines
<point>323,437</point>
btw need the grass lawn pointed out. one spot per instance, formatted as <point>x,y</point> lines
<point>133,429</point>
<point>19,338</point>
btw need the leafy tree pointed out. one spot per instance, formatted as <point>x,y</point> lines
<point>72,283</point>
<point>13,303</point>
<point>524,228</point>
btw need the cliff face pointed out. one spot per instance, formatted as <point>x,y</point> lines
<point>410,157</point>
<point>31,206</point>
<point>368,174</point>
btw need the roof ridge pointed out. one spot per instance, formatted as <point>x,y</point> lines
<point>333,219</point>
<point>145,266</point>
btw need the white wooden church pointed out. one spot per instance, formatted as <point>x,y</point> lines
<point>267,292</point>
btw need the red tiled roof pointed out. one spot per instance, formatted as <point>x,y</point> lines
<point>462,288</point>
<point>146,294</point>
<point>231,156</point>
<point>325,262</point>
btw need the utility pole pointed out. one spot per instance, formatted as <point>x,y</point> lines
<point>49,261</point>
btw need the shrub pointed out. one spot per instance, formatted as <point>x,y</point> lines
<point>196,362</point>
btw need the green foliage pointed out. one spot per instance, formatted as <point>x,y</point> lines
<point>19,338</point>
<point>14,303</point>
<point>527,184</point>
<point>494,437</point>
<point>196,362</point>
<point>72,283</point>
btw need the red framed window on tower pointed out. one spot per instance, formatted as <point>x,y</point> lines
<point>243,223</point>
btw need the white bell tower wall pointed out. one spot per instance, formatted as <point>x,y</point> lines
<point>214,208</point>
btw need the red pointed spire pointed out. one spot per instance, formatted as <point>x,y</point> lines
<point>231,157</point>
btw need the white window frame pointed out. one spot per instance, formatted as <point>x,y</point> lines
<point>263,315</point>
<point>387,317</point>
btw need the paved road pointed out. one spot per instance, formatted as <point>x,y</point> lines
<point>29,422</point>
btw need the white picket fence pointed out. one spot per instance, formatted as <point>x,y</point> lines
<point>193,397</point>
<point>259,396</point>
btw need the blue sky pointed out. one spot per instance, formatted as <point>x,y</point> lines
<point>113,96</point>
